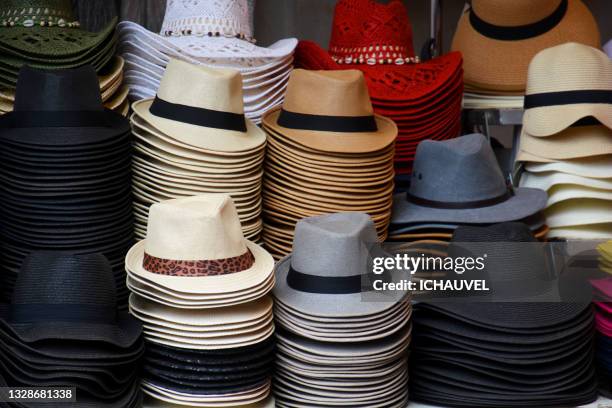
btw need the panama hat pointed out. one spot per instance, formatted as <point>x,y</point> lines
<point>572,143</point>
<point>232,264</point>
<point>459,181</point>
<point>498,39</point>
<point>559,94</point>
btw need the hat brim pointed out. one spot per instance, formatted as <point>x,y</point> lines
<point>202,137</point>
<point>524,202</point>
<point>233,282</point>
<point>337,142</point>
<point>591,167</point>
<point>594,141</point>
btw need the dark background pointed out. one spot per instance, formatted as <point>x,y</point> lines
<point>304,19</point>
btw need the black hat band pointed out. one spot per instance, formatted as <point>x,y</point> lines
<point>342,124</point>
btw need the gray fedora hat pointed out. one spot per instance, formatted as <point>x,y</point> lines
<point>325,273</point>
<point>459,181</point>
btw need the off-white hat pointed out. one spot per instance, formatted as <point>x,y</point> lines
<point>195,245</point>
<point>567,83</point>
<point>201,107</point>
<point>571,143</point>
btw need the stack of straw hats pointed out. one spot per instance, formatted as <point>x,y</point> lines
<point>423,98</point>
<point>200,289</point>
<point>566,142</point>
<point>65,171</point>
<point>211,33</point>
<point>337,345</point>
<point>518,345</point>
<point>62,330</point>
<point>499,38</point>
<point>325,155</point>
<point>459,182</point>
<point>45,34</point>
<point>193,138</point>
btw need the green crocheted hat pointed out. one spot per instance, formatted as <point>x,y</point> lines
<point>46,29</point>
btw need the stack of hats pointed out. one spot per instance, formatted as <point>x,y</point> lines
<point>193,138</point>
<point>212,33</point>
<point>459,182</point>
<point>45,34</point>
<point>62,330</point>
<point>200,288</point>
<point>65,171</point>
<point>337,345</point>
<point>424,99</point>
<point>566,142</point>
<point>519,345</point>
<point>498,39</point>
<point>603,319</point>
<point>327,152</point>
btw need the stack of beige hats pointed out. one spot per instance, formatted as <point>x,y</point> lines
<point>200,289</point>
<point>566,143</point>
<point>327,152</point>
<point>193,138</point>
<point>114,92</point>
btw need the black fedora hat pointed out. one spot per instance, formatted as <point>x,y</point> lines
<point>64,296</point>
<point>60,108</point>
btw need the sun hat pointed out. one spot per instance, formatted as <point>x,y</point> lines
<point>572,143</point>
<point>591,167</point>
<point>498,38</point>
<point>64,296</point>
<point>201,107</point>
<point>547,180</point>
<point>314,113</point>
<point>330,284</point>
<point>560,95</point>
<point>195,245</point>
<point>459,181</point>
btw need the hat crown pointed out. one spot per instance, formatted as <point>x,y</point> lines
<point>203,227</point>
<point>368,23</point>
<point>458,170</point>
<point>75,89</point>
<point>56,278</point>
<point>569,67</point>
<point>326,93</point>
<point>333,244</point>
<point>514,13</point>
<point>36,10</point>
<point>227,17</point>
<point>197,86</point>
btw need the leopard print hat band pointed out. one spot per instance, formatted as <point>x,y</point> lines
<point>209,267</point>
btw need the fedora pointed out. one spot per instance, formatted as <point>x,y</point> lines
<point>184,243</point>
<point>559,94</point>
<point>459,181</point>
<point>314,115</point>
<point>498,39</point>
<point>64,296</point>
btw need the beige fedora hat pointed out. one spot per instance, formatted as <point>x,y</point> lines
<point>196,245</point>
<point>571,143</point>
<point>565,84</point>
<point>330,111</point>
<point>201,107</point>
<point>498,38</point>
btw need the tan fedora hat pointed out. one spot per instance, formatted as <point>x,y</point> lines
<point>196,245</point>
<point>201,107</point>
<point>330,111</point>
<point>498,38</point>
<point>565,84</point>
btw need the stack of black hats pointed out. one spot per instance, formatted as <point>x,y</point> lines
<point>62,329</point>
<point>65,173</point>
<point>519,345</point>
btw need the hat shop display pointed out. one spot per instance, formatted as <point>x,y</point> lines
<point>193,138</point>
<point>200,289</point>
<point>337,347</point>
<point>65,171</point>
<point>498,39</point>
<point>529,350</point>
<point>566,141</point>
<point>458,182</point>
<point>325,155</point>
<point>45,34</point>
<point>422,98</point>
<point>62,329</point>
<point>216,34</point>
